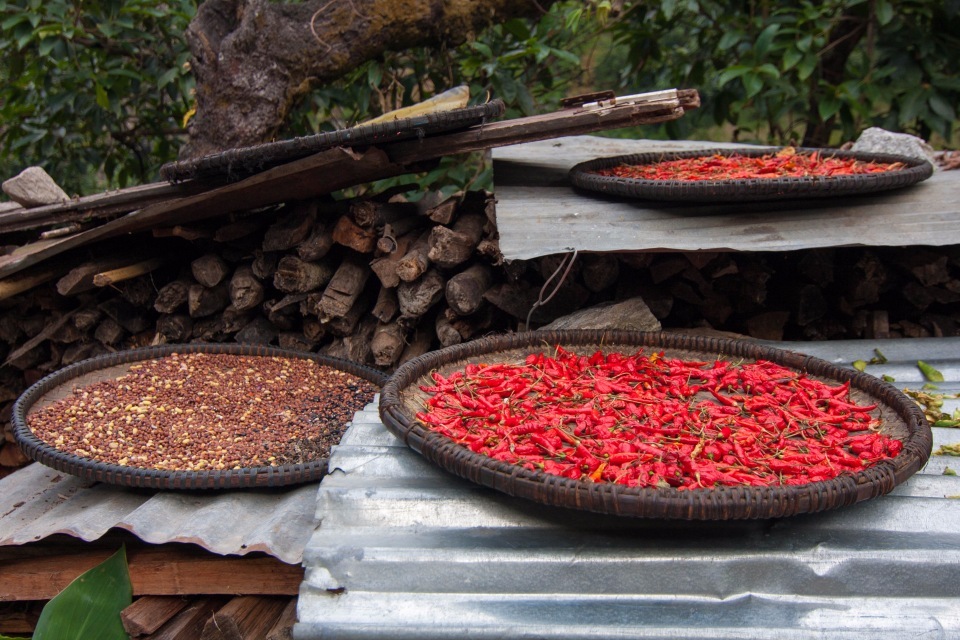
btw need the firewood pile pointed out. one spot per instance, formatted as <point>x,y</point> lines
<point>382,280</point>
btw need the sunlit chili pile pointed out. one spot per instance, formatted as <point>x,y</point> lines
<point>651,421</point>
<point>786,163</point>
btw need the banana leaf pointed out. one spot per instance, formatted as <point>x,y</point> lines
<point>90,606</point>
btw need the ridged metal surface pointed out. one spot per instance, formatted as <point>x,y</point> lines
<point>37,502</point>
<point>406,551</point>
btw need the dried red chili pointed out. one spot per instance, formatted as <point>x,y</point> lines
<point>650,421</point>
<point>787,163</point>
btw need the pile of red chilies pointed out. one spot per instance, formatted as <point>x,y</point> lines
<point>738,167</point>
<point>650,421</point>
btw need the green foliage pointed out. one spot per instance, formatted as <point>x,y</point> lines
<point>93,91</point>
<point>90,606</point>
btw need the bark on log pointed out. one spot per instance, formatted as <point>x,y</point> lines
<point>344,288</point>
<point>175,327</point>
<point>419,342</point>
<point>292,228</point>
<point>464,291</point>
<point>450,247</point>
<point>417,297</point>
<point>209,269</point>
<point>313,330</point>
<point>351,235</point>
<point>109,332</point>
<point>265,264</point>
<point>387,344</point>
<point>386,267</point>
<point>285,313</point>
<point>446,332</point>
<point>254,59</point>
<point>172,296</point>
<point>346,324</point>
<point>387,243</point>
<point>416,260</point>
<point>441,212</point>
<point>257,331</point>
<point>234,319</point>
<point>317,245</point>
<point>297,276</point>
<point>130,318</point>
<point>387,305</point>
<point>246,291</point>
<point>205,301</point>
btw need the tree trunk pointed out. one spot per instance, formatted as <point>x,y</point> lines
<point>254,59</point>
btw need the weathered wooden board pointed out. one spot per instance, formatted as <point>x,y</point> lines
<point>539,213</point>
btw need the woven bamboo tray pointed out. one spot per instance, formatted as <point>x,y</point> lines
<point>583,176</point>
<point>401,398</point>
<point>236,164</point>
<point>61,383</point>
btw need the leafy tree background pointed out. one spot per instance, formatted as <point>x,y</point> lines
<point>99,92</point>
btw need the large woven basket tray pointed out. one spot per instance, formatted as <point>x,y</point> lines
<point>61,383</point>
<point>401,398</point>
<point>236,164</point>
<point>584,176</point>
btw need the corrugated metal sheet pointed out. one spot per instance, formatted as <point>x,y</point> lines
<point>36,502</point>
<point>405,550</point>
<point>534,195</point>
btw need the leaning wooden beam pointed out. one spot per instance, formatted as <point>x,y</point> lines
<point>106,278</point>
<point>10,287</point>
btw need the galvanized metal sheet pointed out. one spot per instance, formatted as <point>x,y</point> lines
<point>539,213</point>
<point>37,502</point>
<point>405,550</point>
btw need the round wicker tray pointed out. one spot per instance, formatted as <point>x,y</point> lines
<point>583,176</point>
<point>61,383</point>
<point>236,164</point>
<point>401,398</point>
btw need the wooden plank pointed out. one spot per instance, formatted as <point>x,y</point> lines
<point>165,571</point>
<point>149,613</point>
<point>539,214</point>
<point>190,622</point>
<point>244,618</point>
<point>106,278</point>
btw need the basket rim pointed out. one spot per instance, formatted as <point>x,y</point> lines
<point>582,177</point>
<point>238,163</point>
<point>722,503</point>
<point>151,478</point>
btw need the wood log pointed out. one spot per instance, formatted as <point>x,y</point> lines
<point>78,351</point>
<point>599,271</point>
<point>172,296</point>
<point>283,627</point>
<point>284,313</point>
<point>80,278</point>
<point>387,243</point>
<point>175,327</point>
<point>386,267</point>
<point>86,318</point>
<point>489,250</point>
<point>317,245</point>
<point>12,456</point>
<point>140,292</point>
<point>370,214</point>
<point>236,230</point>
<point>257,331</point>
<point>387,343</point>
<point>209,269</point>
<point>246,291</point>
<point>464,291</point>
<point>450,247</point>
<point>472,325</point>
<point>10,329</point>
<point>208,329</point>
<point>189,623</point>
<point>310,306</point>
<point>446,332</point>
<point>191,234</point>
<point>387,305</point>
<point>415,261</point>
<point>441,212</point>
<point>344,288</point>
<point>416,298</point>
<point>147,614</point>
<point>355,347</point>
<point>518,298</point>
<point>234,319</point>
<point>264,264</point>
<point>13,285</point>
<point>244,618</point>
<point>419,342</point>
<point>205,301</point>
<point>313,330</point>
<point>295,341</point>
<point>298,276</point>
<point>126,315</point>
<point>109,332</point>
<point>346,324</point>
<point>292,228</point>
<point>19,618</point>
<point>349,234</point>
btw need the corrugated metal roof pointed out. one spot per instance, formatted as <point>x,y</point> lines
<point>534,196</point>
<point>37,502</point>
<point>405,550</point>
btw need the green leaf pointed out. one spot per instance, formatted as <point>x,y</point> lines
<point>762,44</point>
<point>103,100</point>
<point>878,358</point>
<point>167,77</point>
<point>942,107</point>
<point>807,66</point>
<point>885,12</point>
<point>887,378</point>
<point>791,57</point>
<point>753,83</point>
<point>731,73</point>
<point>828,107</point>
<point>90,606</point>
<point>860,365</point>
<point>929,372</point>
<point>947,471</point>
